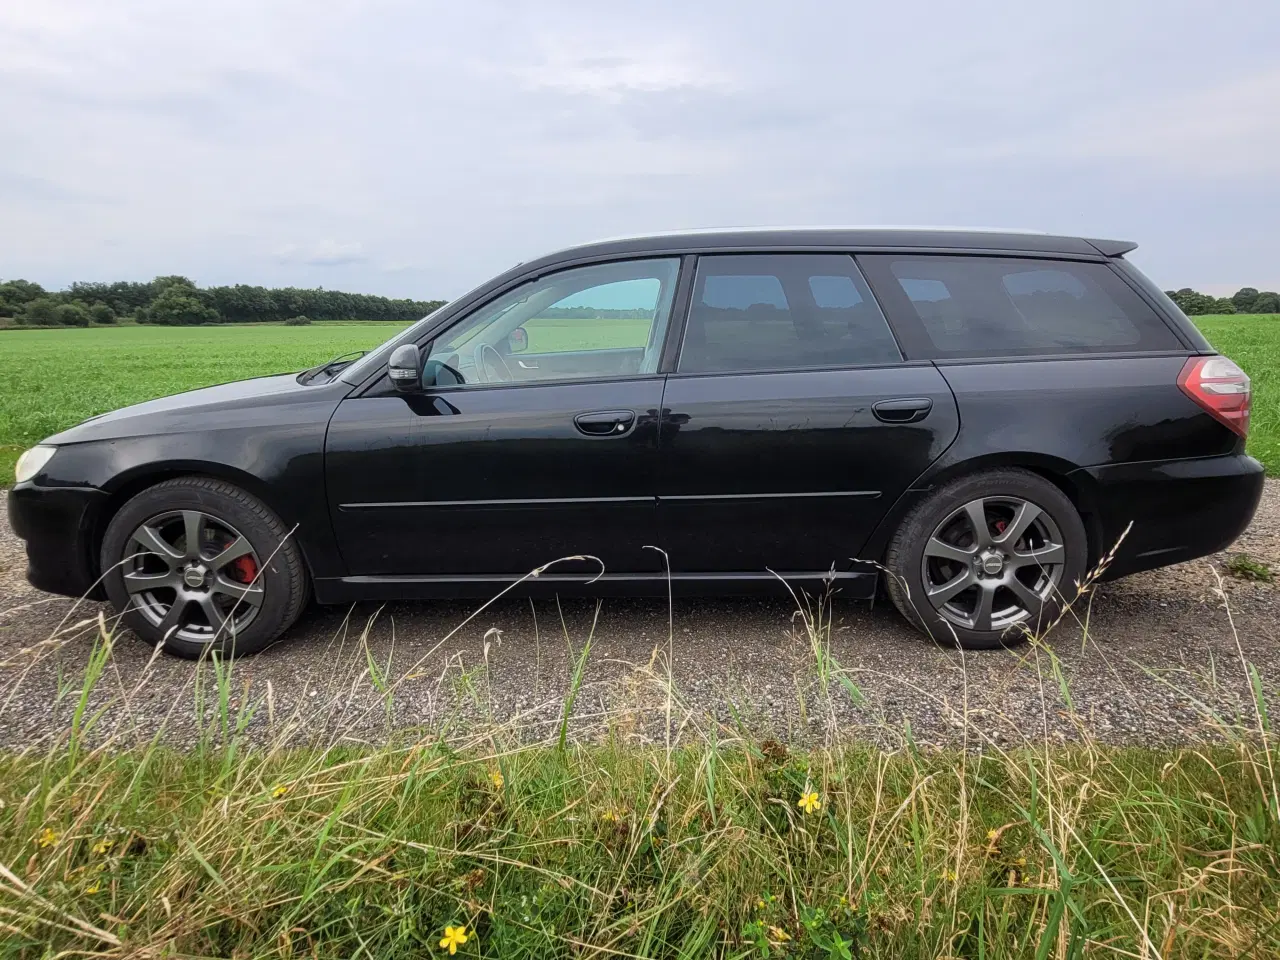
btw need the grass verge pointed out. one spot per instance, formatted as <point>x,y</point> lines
<point>507,842</point>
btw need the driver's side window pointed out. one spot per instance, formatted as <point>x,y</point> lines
<point>605,320</point>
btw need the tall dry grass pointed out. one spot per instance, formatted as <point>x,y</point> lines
<point>285,834</point>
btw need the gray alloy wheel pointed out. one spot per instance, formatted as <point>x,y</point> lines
<point>193,576</point>
<point>987,559</point>
<point>992,563</point>
<point>202,567</point>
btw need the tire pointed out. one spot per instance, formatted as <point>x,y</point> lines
<point>252,581</point>
<point>938,542</point>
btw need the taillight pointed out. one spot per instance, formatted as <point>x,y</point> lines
<point>1219,386</point>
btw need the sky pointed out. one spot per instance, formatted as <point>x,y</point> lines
<point>416,148</point>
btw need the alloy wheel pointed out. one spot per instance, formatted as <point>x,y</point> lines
<point>193,576</point>
<point>992,562</point>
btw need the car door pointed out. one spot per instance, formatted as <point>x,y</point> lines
<point>791,423</point>
<point>536,441</point>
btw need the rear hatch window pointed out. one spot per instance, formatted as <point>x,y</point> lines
<point>954,307</point>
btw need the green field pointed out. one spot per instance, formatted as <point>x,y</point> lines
<point>1253,341</point>
<point>56,378</point>
<point>53,379</point>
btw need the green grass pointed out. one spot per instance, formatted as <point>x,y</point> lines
<point>53,379</point>
<point>110,368</point>
<point>557,848</point>
<point>1253,341</point>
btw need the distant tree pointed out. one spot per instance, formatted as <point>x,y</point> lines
<point>1244,299</point>
<point>14,294</point>
<point>40,312</point>
<point>102,313</point>
<point>300,320</point>
<point>1267,302</point>
<point>1193,303</point>
<point>179,306</point>
<point>1223,305</point>
<point>73,315</point>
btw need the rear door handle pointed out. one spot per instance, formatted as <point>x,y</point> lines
<point>908,410</point>
<point>605,423</point>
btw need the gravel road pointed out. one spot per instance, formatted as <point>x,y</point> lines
<point>1160,662</point>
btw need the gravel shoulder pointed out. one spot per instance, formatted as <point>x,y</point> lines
<point>1156,658</point>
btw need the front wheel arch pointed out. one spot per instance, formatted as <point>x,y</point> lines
<point>126,485</point>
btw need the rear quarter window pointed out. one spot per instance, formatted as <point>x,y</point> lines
<point>953,307</point>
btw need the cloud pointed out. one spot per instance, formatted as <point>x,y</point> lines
<point>415,148</point>
<point>327,253</point>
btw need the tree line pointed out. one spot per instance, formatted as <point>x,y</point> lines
<point>1244,300</point>
<point>176,301</point>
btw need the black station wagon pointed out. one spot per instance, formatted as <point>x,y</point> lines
<point>972,418</point>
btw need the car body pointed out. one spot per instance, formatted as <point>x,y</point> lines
<point>748,407</point>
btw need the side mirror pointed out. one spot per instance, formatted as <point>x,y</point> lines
<point>518,340</point>
<point>405,368</point>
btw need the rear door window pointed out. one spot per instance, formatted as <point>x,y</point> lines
<point>945,307</point>
<point>762,312</point>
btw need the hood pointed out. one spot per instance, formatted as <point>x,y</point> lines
<point>237,404</point>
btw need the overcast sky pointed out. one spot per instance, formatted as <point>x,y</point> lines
<point>416,148</point>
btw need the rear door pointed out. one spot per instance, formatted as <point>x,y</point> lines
<point>792,422</point>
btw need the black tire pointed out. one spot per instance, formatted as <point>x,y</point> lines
<point>1042,587</point>
<point>276,576</point>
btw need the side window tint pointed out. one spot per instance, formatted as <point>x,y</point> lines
<point>1002,306</point>
<point>761,312</point>
<point>606,320</point>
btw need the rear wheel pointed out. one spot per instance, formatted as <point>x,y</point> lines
<point>202,566</point>
<point>987,558</point>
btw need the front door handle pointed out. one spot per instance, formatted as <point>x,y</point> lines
<point>605,423</point>
<point>909,410</point>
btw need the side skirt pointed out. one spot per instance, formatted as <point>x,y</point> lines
<point>852,585</point>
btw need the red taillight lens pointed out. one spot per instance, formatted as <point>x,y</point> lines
<point>1221,388</point>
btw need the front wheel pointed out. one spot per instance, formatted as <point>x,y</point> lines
<point>987,559</point>
<point>202,566</point>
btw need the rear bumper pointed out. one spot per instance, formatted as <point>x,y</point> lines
<point>57,525</point>
<point>1179,509</point>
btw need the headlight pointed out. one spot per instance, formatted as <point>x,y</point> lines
<point>32,462</point>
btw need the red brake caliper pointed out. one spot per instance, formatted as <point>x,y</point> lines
<point>244,568</point>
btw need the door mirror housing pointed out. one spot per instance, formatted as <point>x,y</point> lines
<point>518,340</point>
<point>405,368</point>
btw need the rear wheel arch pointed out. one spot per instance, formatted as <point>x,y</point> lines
<point>1075,483</point>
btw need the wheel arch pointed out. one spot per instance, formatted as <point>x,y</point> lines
<point>129,483</point>
<point>1075,484</point>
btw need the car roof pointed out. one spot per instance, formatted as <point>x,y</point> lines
<point>865,239</point>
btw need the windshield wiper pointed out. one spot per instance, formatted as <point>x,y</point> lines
<point>331,366</point>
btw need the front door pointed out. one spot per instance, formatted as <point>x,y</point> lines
<point>791,424</point>
<point>538,441</point>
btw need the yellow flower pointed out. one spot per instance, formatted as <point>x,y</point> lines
<point>809,802</point>
<point>454,937</point>
<point>778,934</point>
<point>948,875</point>
<point>103,846</point>
<point>1021,861</point>
<point>496,777</point>
<point>47,837</point>
<point>991,835</point>
<point>279,791</point>
<point>759,904</point>
<point>93,887</point>
<point>610,816</point>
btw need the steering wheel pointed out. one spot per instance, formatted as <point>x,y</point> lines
<point>491,365</point>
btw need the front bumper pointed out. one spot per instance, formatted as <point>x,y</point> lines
<point>1179,509</point>
<point>57,524</point>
